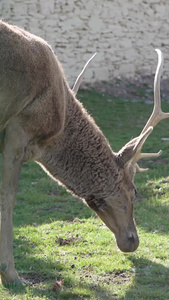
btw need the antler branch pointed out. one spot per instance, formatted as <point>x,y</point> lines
<point>80,77</point>
<point>157,114</point>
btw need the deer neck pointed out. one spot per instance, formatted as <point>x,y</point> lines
<point>80,157</point>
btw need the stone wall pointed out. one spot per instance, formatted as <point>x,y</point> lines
<point>123,33</point>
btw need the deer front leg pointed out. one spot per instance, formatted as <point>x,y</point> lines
<point>12,159</point>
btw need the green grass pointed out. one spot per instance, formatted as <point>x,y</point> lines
<point>57,237</point>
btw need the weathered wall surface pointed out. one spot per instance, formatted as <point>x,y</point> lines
<point>123,33</point>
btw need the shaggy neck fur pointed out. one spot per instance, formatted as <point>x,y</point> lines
<point>80,156</point>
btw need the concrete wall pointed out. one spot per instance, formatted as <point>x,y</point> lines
<point>124,33</point>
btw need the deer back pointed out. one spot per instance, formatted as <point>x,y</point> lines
<point>32,79</point>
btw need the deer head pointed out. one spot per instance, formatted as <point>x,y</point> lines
<point>116,209</point>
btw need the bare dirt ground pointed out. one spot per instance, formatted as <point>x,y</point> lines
<point>137,89</point>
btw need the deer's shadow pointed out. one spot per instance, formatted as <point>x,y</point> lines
<point>151,280</point>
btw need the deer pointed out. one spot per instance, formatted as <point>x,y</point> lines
<point>42,120</point>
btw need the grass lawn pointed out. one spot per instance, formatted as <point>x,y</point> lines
<point>63,251</point>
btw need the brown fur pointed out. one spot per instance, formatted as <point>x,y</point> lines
<point>41,120</point>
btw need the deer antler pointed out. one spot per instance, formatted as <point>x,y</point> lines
<point>157,114</point>
<point>80,77</point>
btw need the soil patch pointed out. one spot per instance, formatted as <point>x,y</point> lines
<point>135,89</point>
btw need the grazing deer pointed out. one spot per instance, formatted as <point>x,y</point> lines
<point>41,120</point>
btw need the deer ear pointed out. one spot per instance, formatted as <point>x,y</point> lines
<point>124,156</point>
<point>130,153</point>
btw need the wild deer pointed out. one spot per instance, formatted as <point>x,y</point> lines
<point>41,120</point>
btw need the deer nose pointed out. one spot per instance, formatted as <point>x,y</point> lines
<point>133,240</point>
<point>128,242</point>
<point>131,237</point>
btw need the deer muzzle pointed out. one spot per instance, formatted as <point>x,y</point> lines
<point>128,241</point>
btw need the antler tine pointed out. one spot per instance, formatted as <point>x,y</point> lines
<point>157,114</point>
<point>138,169</point>
<point>138,155</point>
<point>80,77</point>
<point>148,155</point>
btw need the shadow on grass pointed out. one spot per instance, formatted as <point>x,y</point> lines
<point>152,210</point>
<point>40,280</point>
<point>50,208</point>
<point>151,280</point>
